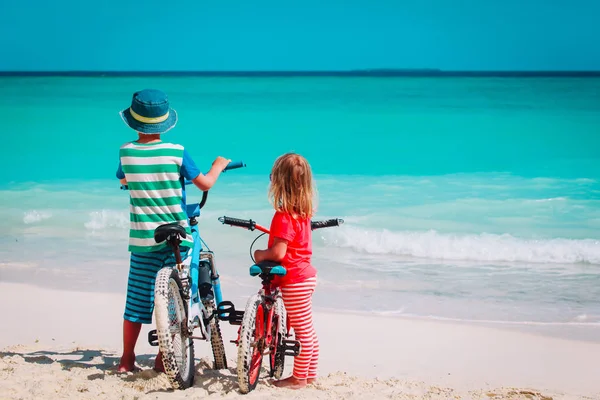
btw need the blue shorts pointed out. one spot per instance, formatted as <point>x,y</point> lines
<point>140,285</point>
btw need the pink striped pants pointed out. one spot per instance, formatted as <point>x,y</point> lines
<point>297,298</point>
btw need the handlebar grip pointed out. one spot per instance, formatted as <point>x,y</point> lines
<point>234,165</point>
<point>242,223</point>
<point>326,224</point>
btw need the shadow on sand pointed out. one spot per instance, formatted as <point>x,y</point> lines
<point>206,378</point>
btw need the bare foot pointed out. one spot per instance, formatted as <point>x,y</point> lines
<point>290,383</point>
<point>127,363</point>
<point>158,364</point>
<point>310,381</point>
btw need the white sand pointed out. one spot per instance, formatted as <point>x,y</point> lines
<point>58,344</point>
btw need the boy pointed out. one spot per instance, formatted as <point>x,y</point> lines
<point>155,172</point>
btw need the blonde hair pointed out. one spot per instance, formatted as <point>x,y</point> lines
<point>292,188</point>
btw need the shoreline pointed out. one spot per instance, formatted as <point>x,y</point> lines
<point>51,327</point>
<point>541,329</point>
<point>574,331</point>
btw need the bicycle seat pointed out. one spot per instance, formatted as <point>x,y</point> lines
<point>164,231</point>
<point>267,267</point>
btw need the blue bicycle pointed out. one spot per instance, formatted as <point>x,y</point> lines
<point>185,299</point>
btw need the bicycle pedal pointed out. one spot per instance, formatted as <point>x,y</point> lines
<point>290,347</point>
<point>236,318</point>
<point>226,312</point>
<point>153,338</point>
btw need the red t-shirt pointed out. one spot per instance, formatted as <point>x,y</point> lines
<point>296,261</point>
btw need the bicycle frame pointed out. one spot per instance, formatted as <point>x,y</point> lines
<point>227,309</point>
<point>269,294</point>
<point>197,312</point>
<point>198,254</point>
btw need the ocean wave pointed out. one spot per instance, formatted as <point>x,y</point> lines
<point>483,247</point>
<point>103,219</point>
<point>33,216</point>
<point>550,199</point>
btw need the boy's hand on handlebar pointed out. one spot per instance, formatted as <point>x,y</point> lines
<point>205,182</point>
<point>221,163</point>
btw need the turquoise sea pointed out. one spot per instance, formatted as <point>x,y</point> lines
<point>464,199</point>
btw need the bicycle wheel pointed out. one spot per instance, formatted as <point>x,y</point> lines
<point>216,339</point>
<point>277,351</point>
<point>174,341</point>
<point>251,345</point>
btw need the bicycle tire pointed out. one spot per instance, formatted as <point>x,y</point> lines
<point>178,361</point>
<point>277,351</point>
<point>216,338</point>
<point>250,353</point>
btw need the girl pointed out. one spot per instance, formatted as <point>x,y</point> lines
<point>290,244</point>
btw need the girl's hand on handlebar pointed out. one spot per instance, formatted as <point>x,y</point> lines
<point>259,256</point>
<point>275,253</point>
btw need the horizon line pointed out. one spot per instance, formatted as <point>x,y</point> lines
<point>366,72</point>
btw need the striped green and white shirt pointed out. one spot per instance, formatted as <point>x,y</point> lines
<point>154,174</point>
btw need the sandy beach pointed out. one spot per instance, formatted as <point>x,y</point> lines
<point>66,344</point>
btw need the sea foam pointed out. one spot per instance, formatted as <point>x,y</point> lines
<point>475,247</point>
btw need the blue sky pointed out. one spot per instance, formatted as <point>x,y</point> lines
<point>299,35</point>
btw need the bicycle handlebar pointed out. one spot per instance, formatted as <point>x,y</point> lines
<point>252,225</point>
<point>326,224</point>
<point>242,223</point>
<point>234,165</point>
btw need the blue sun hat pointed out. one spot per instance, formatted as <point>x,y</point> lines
<point>150,112</point>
